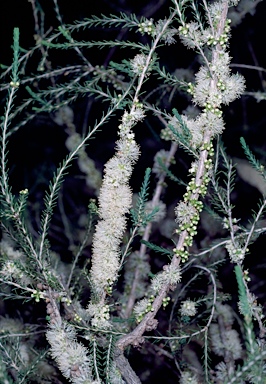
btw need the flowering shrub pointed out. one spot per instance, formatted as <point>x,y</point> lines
<point>101,263</point>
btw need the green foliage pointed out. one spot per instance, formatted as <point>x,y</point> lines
<point>170,174</point>
<point>223,185</point>
<point>156,248</point>
<point>254,363</point>
<point>103,359</point>
<point>100,44</point>
<point>182,135</point>
<point>139,215</point>
<point>252,159</point>
<point>51,199</point>
<point>130,21</point>
<point>244,371</point>
<point>246,311</point>
<point>168,78</point>
<point>15,65</point>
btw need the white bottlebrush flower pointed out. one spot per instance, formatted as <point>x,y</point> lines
<point>185,213</point>
<point>141,307</point>
<point>196,130</point>
<point>137,114</point>
<point>9,270</point>
<point>228,87</point>
<point>215,10</point>
<point>193,126</point>
<point>168,35</point>
<point>71,357</point>
<point>114,226</point>
<point>100,315</point>
<point>221,371</point>
<point>117,171</point>
<point>7,250</point>
<point>138,63</point>
<point>191,35</point>
<point>11,325</point>
<point>236,253</point>
<point>188,308</point>
<point>202,86</point>
<point>188,378</point>
<point>226,312</point>
<point>14,264</point>
<point>73,141</point>
<point>229,342</point>
<point>160,157</point>
<point>194,167</point>
<point>64,114</point>
<point>220,64</point>
<point>211,122</point>
<point>24,353</point>
<point>121,198</point>
<point>86,165</point>
<point>130,119</point>
<point>234,86</point>
<point>128,148</point>
<point>115,200</point>
<point>170,275</point>
<point>104,272</point>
